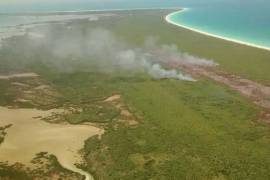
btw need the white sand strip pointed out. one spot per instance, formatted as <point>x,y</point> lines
<point>169,20</point>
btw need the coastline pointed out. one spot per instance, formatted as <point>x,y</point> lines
<point>19,29</point>
<point>90,11</point>
<point>168,20</point>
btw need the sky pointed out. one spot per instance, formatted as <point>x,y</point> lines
<point>77,1</point>
<point>66,5</point>
<point>101,1</point>
<point>33,1</point>
<point>53,1</point>
<point>10,6</point>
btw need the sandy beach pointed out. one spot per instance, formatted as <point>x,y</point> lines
<point>168,18</point>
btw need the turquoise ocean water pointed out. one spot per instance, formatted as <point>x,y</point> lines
<point>242,20</point>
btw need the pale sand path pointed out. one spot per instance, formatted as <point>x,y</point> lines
<point>21,75</point>
<point>29,136</point>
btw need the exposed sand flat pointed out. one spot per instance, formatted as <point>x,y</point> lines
<point>47,18</point>
<point>42,19</point>
<point>41,87</point>
<point>125,115</point>
<point>22,100</point>
<point>19,75</point>
<point>6,33</point>
<point>28,136</point>
<point>4,77</point>
<point>113,98</point>
<point>19,84</point>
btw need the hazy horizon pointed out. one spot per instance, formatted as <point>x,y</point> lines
<point>13,6</point>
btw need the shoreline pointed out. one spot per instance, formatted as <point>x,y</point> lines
<point>91,10</point>
<point>168,20</point>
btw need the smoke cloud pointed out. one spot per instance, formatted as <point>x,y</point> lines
<point>101,47</point>
<point>171,53</point>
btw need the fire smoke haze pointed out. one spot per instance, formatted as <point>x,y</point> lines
<point>101,47</point>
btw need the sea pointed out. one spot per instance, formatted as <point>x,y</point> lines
<point>242,21</point>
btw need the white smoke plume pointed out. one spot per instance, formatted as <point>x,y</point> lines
<point>108,52</point>
<point>158,72</point>
<point>172,54</point>
<point>129,60</point>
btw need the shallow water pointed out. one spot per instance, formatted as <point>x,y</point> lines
<point>246,22</point>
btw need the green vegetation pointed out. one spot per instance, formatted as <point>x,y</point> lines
<point>99,113</point>
<point>46,167</point>
<point>5,97</point>
<point>8,172</point>
<point>248,62</point>
<point>186,130</point>
<point>3,133</point>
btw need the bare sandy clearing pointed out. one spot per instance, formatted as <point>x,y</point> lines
<point>19,84</point>
<point>28,136</point>
<point>29,89</point>
<point>42,87</point>
<point>19,75</point>
<point>113,98</point>
<point>126,116</point>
